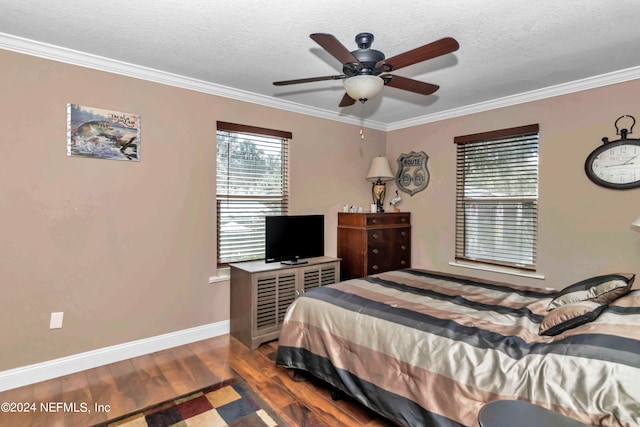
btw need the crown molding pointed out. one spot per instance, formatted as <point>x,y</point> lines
<point>60,54</point>
<point>521,98</point>
<point>73,57</point>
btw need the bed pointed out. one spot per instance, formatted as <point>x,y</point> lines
<point>424,348</point>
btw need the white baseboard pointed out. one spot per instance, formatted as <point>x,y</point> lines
<point>31,374</point>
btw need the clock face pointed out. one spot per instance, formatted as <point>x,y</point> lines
<point>615,165</point>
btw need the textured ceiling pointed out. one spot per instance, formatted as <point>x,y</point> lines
<point>507,48</point>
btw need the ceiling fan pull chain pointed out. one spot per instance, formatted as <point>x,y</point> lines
<point>362,121</point>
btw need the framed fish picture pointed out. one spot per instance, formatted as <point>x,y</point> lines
<point>102,134</point>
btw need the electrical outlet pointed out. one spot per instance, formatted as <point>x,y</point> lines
<point>56,320</point>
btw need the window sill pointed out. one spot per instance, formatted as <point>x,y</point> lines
<point>495,269</point>
<point>222,275</point>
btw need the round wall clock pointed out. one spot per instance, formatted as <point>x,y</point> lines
<point>615,164</point>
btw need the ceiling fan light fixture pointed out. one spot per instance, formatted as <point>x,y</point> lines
<point>363,87</point>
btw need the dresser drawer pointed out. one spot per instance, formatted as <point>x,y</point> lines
<point>387,219</point>
<point>389,237</point>
<point>385,259</point>
<point>381,248</point>
<point>403,235</point>
<point>378,263</point>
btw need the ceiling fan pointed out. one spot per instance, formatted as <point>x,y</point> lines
<point>365,70</point>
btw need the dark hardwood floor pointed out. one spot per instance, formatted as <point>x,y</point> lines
<point>126,386</point>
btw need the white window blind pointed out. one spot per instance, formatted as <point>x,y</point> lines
<point>497,197</point>
<point>251,183</point>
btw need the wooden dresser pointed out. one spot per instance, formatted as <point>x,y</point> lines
<point>370,243</point>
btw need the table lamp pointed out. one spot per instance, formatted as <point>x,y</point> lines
<point>378,173</point>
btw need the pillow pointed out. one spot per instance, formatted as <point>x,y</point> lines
<point>603,289</point>
<point>569,316</point>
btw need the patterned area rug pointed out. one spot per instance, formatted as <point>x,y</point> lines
<point>232,403</point>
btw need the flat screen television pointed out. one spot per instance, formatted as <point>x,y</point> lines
<point>292,238</point>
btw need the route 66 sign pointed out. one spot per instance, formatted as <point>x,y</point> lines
<point>413,175</point>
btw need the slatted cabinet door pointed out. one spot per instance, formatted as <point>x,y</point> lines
<point>275,291</point>
<point>322,275</point>
<point>287,293</point>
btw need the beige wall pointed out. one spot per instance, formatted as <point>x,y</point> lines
<point>126,250</point>
<point>583,228</point>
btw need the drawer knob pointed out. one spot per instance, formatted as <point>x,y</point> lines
<point>403,262</point>
<point>374,221</point>
<point>404,233</point>
<point>403,219</point>
<point>375,267</point>
<point>403,247</point>
<point>374,235</point>
<point>375,251</point>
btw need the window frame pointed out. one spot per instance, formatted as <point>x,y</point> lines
<point>527,138</point>
<point>249,132</point>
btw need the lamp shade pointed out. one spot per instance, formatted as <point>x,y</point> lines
<point>635,225</point>
<point>379,169</point>
<point>363,87</point>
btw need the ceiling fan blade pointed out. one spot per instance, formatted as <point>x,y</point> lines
<point>308,80</point>
<point>411,85</point>
<point>419,54</point>
<point>346,101</point>
<point>334,47</point>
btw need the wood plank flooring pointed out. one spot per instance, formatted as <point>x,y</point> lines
<point>126,386</point>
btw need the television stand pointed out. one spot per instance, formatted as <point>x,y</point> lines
<point>295,262</point>
<point>261,293</point>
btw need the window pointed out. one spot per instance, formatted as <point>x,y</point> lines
<point>497,197</point>
<point>251,183</point>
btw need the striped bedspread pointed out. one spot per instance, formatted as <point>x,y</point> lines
<point>428,349</point>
